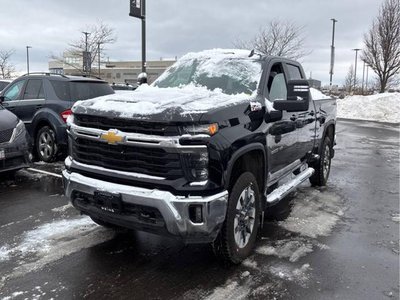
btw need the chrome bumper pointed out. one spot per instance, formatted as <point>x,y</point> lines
<point>174,209</point>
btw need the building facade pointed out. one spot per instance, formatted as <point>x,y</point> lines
<point>118,72</point>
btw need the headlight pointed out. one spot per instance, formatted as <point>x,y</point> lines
<point>210,129</point>
<point>20,129</point>
<point>195,165</point>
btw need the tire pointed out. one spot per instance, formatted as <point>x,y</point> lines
<point>46,145</point>
<point>323,165</point>
<point>238,234</point>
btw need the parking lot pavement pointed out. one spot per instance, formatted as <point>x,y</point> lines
<point>341,241</point>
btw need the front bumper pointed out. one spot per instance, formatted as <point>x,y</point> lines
<point>16,154</point>
<point>175,217</point>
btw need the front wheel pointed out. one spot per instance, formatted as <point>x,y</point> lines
<point>323,165</point>
<point>238,235</point>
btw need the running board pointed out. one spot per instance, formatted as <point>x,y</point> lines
<point>281,192</point>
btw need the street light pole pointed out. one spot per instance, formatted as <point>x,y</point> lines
<point>98,54</point>
<point>355,66</point>
<point>85,60</point>
<point>27,58</point>
<point>144,37</point>
<point>362,89</point>
<point>334,21</point>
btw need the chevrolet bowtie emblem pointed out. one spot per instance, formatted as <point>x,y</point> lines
<point>112,137</point>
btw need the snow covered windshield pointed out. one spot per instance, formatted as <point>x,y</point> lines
<point>231,75</point>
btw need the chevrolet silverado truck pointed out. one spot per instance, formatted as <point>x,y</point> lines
<point>201,154</point>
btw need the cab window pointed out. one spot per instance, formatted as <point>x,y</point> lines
<point>294,72</point>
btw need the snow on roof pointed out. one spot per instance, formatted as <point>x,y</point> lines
<point>215,53</point>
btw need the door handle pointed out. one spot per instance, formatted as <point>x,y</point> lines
<point>38,107</point>
<point>293,118</point>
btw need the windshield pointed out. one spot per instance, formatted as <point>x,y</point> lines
<point>231,75</point>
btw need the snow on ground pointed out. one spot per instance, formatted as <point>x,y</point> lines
<point>50,242</point>
<point>379,108</point>
<point>283,259</point>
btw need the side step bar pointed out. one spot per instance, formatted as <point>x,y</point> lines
<point>281,192</point>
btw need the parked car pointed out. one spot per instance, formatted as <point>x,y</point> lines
<point>14,142</point>
<point>4,83</point>
<point>43,102</point>
<point>218,140</point>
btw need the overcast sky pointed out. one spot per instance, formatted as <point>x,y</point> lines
<point>179,26</point>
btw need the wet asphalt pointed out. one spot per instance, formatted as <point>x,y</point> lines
<point>337,242</point>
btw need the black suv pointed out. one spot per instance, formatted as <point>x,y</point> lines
<point>43,102</point>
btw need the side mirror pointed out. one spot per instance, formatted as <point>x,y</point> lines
<point>298,97</point>
<point>273,116</point>
<point>2,99</point>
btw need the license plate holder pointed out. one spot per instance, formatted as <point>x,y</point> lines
<point>108,202</point>
<point>2,154</point>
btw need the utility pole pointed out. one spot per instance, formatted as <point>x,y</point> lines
<point>86,57</point>
<point>334,21</point>
<point>143,36</point>
<point>27,58</point>
<point>98,56</point>
<point>366,84</point>
<point>362,88</point>
<point>355,66</point>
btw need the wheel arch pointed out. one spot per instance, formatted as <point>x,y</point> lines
<point>247,158</point>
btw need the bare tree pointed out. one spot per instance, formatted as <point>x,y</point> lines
<point>278,38</point>
<point>349,80</point>
<point>98,35</point>
<point>6,67</point>
<point>382,43</point>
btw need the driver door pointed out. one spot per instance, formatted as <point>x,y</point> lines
<point>281,135</point>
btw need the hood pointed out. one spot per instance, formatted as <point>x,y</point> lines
<point>186,104</point>
<point>7,119</point>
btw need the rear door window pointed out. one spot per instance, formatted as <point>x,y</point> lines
<point>34,89</point>
<point>294,72</point>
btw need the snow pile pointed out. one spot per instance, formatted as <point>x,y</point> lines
<point>318,95</point>
<point>380,107</point>
<point>147,100</point>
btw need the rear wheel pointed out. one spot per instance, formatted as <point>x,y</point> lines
<point>46,145</point>
<point>323,165</point>
<point>238,235</point>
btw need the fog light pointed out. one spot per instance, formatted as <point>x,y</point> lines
<point>196,213</point>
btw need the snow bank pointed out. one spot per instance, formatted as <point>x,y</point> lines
<point>379,108</point>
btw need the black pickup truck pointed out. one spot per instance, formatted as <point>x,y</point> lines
<point>218,140</point>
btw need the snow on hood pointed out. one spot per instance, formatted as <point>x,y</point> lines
<point>148,100</point>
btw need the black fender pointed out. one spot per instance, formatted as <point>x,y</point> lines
<point>52,119</point>
<point>327,125</point>
<point>238,154</point>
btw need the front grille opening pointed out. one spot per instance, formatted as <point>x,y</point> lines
<point>128,158</point>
